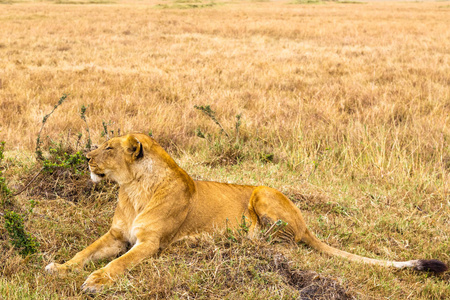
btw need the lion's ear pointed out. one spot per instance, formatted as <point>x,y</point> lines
<point>134,147</point>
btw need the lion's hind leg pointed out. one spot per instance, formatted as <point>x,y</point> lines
<point>274,215</point>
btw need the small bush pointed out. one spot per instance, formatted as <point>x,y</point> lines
<point>19,238</point>
<point>63,163</point>
<point>59,159</point>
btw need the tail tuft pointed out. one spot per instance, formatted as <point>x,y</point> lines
<point>430,265</point>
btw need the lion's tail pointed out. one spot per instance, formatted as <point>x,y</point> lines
<point>432,265</point>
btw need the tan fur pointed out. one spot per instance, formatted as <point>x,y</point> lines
<point>159,203</point>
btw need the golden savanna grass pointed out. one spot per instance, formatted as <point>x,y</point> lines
<point>345,108</point>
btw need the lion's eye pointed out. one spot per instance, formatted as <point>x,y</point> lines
<point>108,148</point>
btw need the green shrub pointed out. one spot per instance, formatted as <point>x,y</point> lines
<point>59,159</point>
<point>19,238</point>
<point>14,223</point>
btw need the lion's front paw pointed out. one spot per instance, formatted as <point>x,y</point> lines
<point>96,282</point>
<point>56,269</point>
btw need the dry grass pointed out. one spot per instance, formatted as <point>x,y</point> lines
<point>349,101</point>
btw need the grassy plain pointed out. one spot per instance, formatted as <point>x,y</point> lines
<point>344,107</point>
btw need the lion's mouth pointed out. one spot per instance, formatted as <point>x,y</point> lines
<point>96,177</point>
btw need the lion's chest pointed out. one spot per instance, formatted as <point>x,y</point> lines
<point>125,227</point>
<point>126,214</point>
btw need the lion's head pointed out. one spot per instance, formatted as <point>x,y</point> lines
<point>115,158</point>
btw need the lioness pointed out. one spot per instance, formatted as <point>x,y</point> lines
<point>159,203</point>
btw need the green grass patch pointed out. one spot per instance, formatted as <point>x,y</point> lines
<point>187,4</point>
<point>82,2</point>
<point>308,2</point>
<point>326,1</point>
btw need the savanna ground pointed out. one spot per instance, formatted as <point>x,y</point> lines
<point>344,107</point>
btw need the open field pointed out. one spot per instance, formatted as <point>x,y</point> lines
<point>345,107</point>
